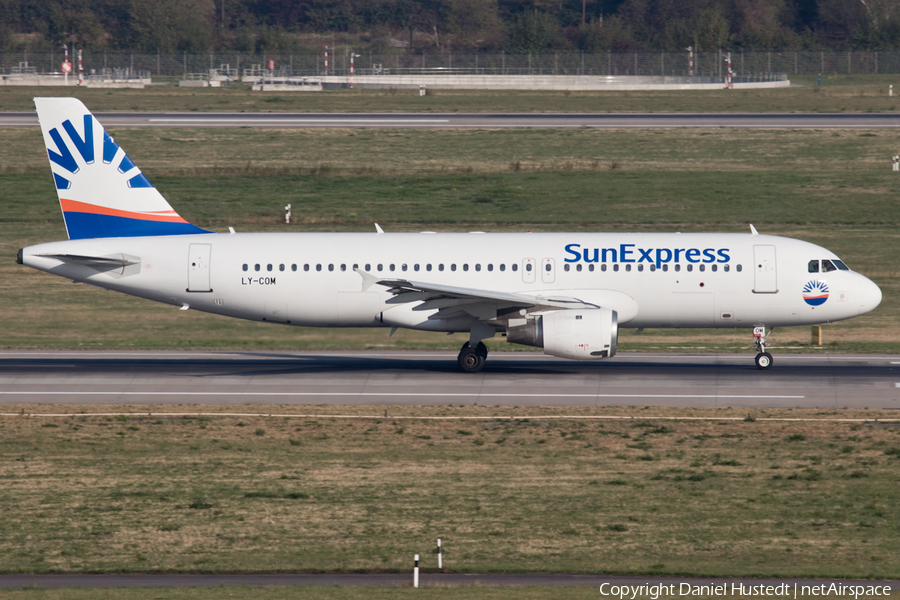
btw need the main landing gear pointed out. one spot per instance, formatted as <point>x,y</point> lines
<point>764,360</point>
<point>471,360</point>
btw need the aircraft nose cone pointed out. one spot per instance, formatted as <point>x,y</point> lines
<point>870,296</point>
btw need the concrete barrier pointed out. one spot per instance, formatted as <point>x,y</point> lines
<point>54,80</point>
<point>287,87</point>
<point>543,82</point>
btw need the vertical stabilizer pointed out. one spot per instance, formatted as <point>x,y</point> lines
<point>101,191</point>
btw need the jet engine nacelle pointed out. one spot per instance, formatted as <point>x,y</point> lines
<point>578,334</point>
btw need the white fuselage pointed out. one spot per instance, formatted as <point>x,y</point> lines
<point>308,279</point>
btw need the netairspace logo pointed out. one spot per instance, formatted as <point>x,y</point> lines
<point>738,589</point>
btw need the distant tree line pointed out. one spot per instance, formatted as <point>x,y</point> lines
<point>512,26</point>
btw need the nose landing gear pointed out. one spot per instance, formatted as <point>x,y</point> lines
<point>764,360</point>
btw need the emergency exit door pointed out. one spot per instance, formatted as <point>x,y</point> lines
<point>198,268</point>
<point>765,275</point>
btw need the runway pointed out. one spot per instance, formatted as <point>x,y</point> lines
<point>432,379</point>
<point>483,120</point>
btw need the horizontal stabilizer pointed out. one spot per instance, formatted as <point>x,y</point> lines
<point>95,260</point>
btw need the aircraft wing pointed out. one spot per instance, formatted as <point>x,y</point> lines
<point>451,299</point>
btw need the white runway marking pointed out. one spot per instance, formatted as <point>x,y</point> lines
<point>299,120</point>
<point>395,394</point>
<point>511,418</point>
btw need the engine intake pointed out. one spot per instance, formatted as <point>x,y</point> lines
<point>577,334</point>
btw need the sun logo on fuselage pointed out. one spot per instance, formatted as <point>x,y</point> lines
<point>815,292</point>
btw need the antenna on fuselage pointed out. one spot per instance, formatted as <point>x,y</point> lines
<point>753,230</point>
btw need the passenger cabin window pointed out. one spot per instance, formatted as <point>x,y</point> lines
<point>813,266</point>
<point>490,268</point>
<point>514,267</point>
<point>306,267</point>
<point>246,266</point>
<point>403,267</point>
<point>281,267</point>
<point>453,267</point>
<point>652,268</point>
<point>739,268</point>
<point>616,267</point>
<point>602,267</point>
<point>466,267</point>
<point>591,268</point>
<point>368,267</point>
<point>293,267</point>
<point>268,267</point>
<point>343,267</point>
<point>428,267</point>
<point>502,267</point>
<point>256,267</point>
<point>441,267</point>
<point>690,268</point>
<point>565,267</point>
<point>318,267</point>
<point>828,266</point>
<point>477,266</point>
<point>726,268</point>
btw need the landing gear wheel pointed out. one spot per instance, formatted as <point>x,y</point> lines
<point>470,360</point>
<point>763,360</point>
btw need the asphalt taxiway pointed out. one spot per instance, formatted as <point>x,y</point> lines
<point>432,378</point>
<point>483,120</point>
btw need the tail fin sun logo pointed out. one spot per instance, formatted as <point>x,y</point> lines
<point>815,292</point>
<point>63,157</point>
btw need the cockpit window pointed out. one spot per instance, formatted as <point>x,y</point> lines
<point>828,266</point>
<point>840,265</point>
<point>813,266</point>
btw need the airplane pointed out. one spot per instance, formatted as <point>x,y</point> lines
<point>568,293</point>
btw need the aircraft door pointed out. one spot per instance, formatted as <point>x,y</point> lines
<point>528,269</point>
<point>198,268</point>
<point>548,270</point>
<point>765,276</point>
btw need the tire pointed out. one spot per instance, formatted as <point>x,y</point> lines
<point>482,349</point>
<point>764,361</point>
<point>469,360</point>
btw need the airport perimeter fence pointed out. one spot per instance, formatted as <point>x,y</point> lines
<point>750,65</point>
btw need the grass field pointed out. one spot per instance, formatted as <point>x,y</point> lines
<point>838,93</point>
<point>834,188</point>
<point>743,497</point>
<point>479,592</point>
